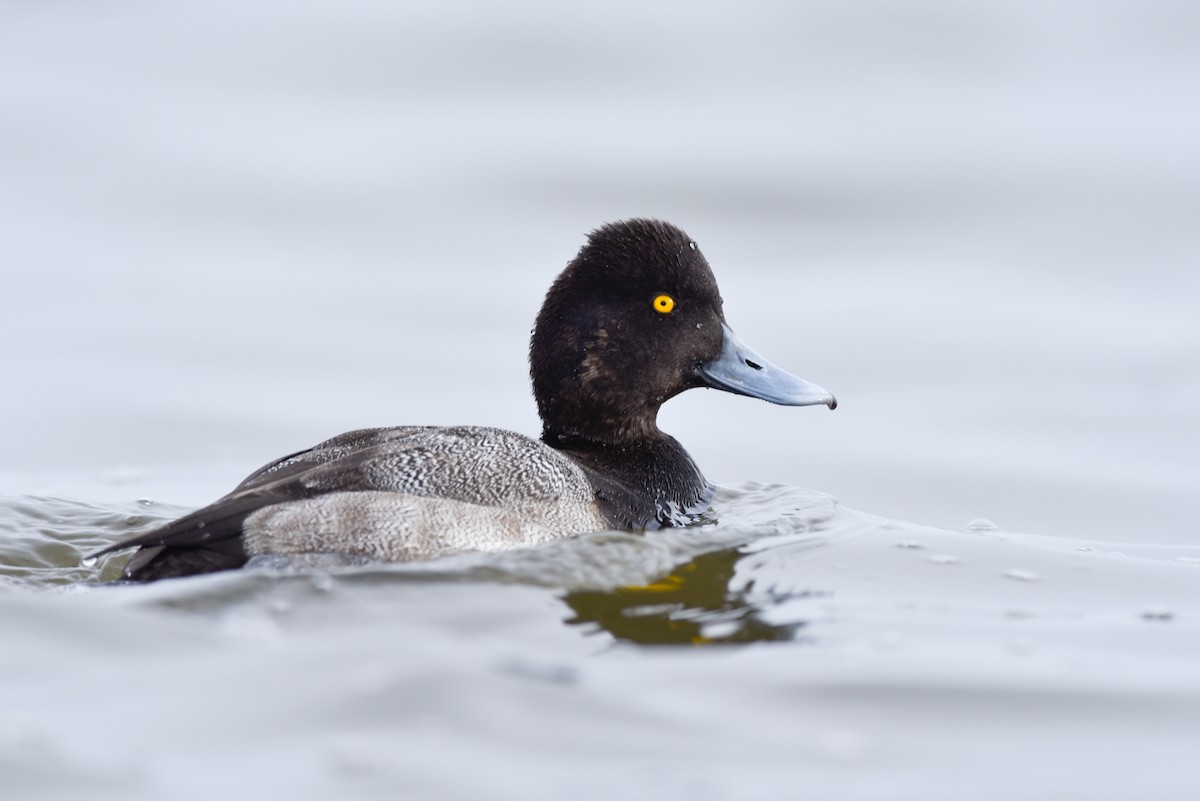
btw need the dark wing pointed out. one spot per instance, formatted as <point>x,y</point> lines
<point>210,539</point>
<point>205,541</point>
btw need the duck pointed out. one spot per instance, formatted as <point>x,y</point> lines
<point>635,319</point>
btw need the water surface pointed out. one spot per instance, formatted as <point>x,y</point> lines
<point>232,230</point>
<point>795,643</point>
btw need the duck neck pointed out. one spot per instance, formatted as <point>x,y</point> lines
<point>604,423</point>
<point>645,482</point>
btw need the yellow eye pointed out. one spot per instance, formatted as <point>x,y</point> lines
<point>663,304</point>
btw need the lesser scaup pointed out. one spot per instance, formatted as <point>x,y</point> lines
<point>633,320</point>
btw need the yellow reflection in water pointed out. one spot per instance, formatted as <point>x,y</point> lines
<point>694,605</point>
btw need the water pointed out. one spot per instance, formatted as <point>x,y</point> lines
<point>231,230</point>
<point>791,644</point>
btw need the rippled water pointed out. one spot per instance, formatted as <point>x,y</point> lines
<point>794,643</point>
<point>230,230</point>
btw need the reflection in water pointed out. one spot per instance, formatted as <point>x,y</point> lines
<point>694,605</point>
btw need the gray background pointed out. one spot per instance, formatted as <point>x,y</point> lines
<point>229,230</point>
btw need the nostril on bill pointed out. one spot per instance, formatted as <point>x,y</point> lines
<point>753,364</point>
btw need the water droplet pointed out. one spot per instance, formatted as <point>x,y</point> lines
<point>943,559</point>
<point>201,524</point>
<point>912,544</point>
<point>89,561</point>
<point>133,520</point>
<point>1157,613</point>
<point>692,245</point>
<point>145,502</point>
<point>982,524</point>
<point>1021,575</point>
<point>207,535</point>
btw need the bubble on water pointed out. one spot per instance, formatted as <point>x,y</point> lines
<point>89,561</point>
<point>943,559</point>
<point>981,525</point>
<point>911,544</point>
<point>1157,613</point>
<point>279,605</point>
<point>1021,575</point>
<point>133,520</point>
<point>145,502</point>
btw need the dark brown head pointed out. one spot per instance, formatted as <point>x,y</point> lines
<point>633,320</point>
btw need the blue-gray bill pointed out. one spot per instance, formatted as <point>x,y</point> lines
<point>739,369</point>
